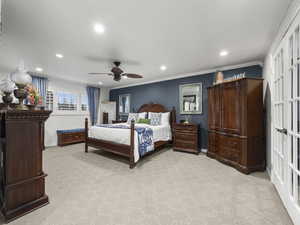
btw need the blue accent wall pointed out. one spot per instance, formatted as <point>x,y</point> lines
<point>167,94</point>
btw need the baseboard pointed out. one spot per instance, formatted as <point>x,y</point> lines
<point>203,150</point>
<point>25,209</point>
<point>269,172</point>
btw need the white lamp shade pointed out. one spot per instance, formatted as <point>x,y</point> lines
<point>21,76</point>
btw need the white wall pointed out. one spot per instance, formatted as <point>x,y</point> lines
<point>110,108</point>
<point>268,74</point>
<point>104,97</point>
<point>63,120</point>
<point>67,120</point>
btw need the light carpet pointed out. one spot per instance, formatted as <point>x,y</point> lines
<point>166,188</point>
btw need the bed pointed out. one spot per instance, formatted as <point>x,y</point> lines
<point>123,139</point>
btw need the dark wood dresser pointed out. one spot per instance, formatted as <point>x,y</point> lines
<point>105,118</point>
<point>185,137</point>
<point>235,123</point>
<point>22,176</point>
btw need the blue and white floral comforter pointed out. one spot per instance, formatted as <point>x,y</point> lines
<point>144,135</point>
<point>121,134</point>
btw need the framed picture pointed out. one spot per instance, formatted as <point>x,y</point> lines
<point>190,97</point>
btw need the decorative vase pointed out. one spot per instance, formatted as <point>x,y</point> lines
<point>7,87</point>
<point>21,79</point>
<point>187,119</point>
<point>21,94</point>
<point>7,99</point>
<point>219,77</point>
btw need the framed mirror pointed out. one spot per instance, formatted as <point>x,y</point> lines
<point>124,104</point>
<point>190,98</point>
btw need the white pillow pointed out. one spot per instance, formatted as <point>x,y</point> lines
<point>132,116</point>
<point>155,118</point>
<point>142,115</point>
<point>165,119</point>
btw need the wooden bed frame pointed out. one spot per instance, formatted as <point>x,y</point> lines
<point>128,150</point>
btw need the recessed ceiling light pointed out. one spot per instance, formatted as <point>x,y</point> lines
<point>125,77</point>
<point>163,68</point>
<point>58,55</point>
<point>99,28</point>
<point>100,82</point>
<point>38,69</point>
<point>224,53</point>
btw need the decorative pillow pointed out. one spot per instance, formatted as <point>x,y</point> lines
<point>142,115</point>
<point>165,118</point>
<point>155,118</point>
<point>146,121</point>
<point>132,116</point>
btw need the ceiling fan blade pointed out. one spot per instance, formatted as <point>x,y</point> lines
<point>100,74</point>
<point>131,75</point>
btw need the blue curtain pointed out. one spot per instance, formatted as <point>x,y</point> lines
<point>41,84</point>
<point>93,94</point>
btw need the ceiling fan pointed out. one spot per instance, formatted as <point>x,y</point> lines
<point>117,73</point>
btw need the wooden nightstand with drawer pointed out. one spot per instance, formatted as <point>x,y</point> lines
<point>186,138</point>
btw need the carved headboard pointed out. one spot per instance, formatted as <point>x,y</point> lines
<point>151,107</point>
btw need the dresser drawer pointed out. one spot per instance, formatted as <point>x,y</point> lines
<point>185,136</point>
<point>213,139</point>
<point>229,154</point>
<point>185,145</point>
<point>229,142</point>
<point>185,128</point>
<point>229,147</point>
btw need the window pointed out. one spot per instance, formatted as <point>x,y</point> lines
<point>84,103</point>
<point>124,104</point>
<point>66,101</point>
<point>49,100</point>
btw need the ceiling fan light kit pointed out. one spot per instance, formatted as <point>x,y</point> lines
<point>118,73</point>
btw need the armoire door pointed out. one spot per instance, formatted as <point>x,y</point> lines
<point>211,109</point>
<point>214,108</point>
<point>231,107</point>
<point>217,113</point>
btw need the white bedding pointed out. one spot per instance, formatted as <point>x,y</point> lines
<point>122,136</point>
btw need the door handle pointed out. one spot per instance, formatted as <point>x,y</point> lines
<point>283,130</point>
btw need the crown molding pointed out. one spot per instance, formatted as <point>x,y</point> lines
<point>64,79</point>
<point>203,72</point>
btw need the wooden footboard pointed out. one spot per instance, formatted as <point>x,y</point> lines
<point>128,150</point>
<point>113,147</point>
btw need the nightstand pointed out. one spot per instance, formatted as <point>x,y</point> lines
<point>185,137</point>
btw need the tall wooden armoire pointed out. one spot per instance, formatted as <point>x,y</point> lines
<point>235,123</point>
<point>22,176</point>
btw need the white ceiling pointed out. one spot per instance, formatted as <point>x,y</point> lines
<point>186,36</point>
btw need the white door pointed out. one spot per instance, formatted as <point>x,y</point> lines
<point>279,156</point>
<point>286,121</point>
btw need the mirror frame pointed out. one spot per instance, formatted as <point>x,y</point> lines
<point>120,102</point>
<point>200,94</point>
